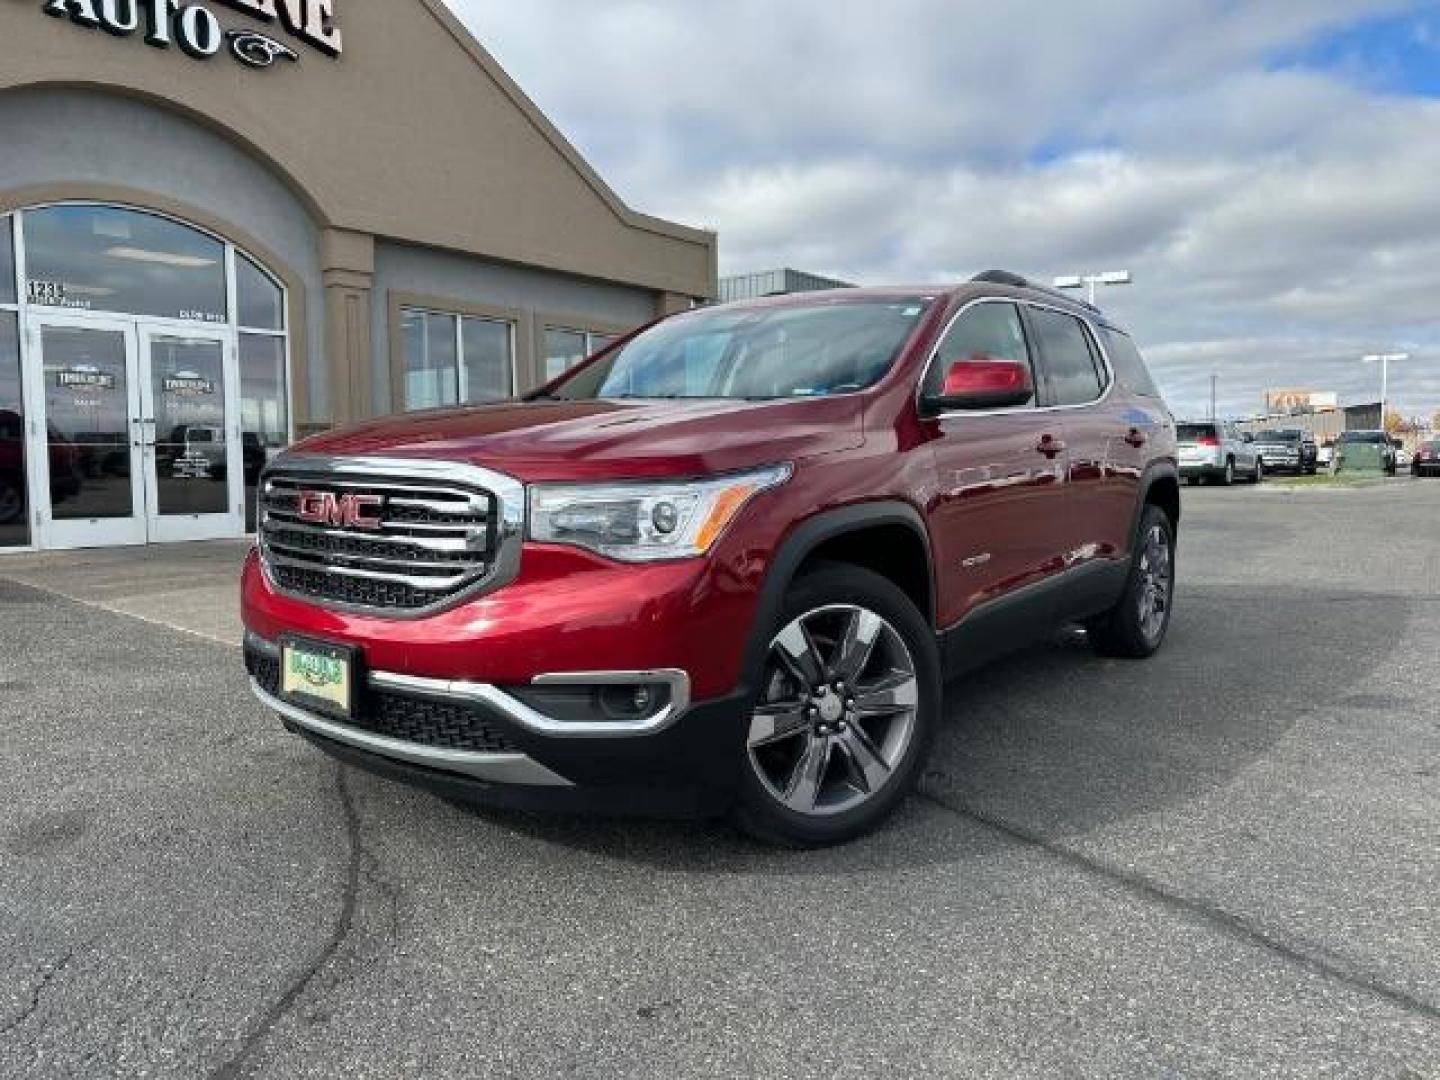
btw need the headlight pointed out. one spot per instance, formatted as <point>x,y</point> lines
<point>646,521</point>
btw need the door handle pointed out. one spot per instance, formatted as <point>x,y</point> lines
<point>1051,447</point>
<point>1137,438</point>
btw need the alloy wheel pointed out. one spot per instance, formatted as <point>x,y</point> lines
<point>837,711</point>
<point>1157,581</point>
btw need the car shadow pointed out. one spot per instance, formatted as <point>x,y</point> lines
<point>1058,742</point>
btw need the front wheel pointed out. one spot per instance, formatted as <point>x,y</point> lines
<point>847,703</point>
<point>1259,473</point>
<point>1135,627</point>
<point>1228,476</point>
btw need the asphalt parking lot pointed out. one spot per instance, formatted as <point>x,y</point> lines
<point>1221,862</point>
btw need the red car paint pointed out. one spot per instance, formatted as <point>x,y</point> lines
<point>1008,499</point>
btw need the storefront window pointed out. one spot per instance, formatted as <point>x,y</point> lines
<point>431,376</point>
<point>451,359</point>
<point>260,300</point>
<point>563,350</point>
<point>485,352</point>
<point>105,258</point>
<point>264,409</point>
<point>566,348</point>
<point>7,262</point>
<point>14,518</point>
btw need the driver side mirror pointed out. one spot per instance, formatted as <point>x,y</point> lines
<point>983,382</point>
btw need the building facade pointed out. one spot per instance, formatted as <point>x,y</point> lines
<point>775,283</point>
<point>227,224</point>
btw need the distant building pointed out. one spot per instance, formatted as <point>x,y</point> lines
<point>775,283</point>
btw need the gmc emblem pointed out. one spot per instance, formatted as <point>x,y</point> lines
<point>340,511</point>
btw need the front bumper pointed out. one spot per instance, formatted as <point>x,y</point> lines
<point>480,743</point>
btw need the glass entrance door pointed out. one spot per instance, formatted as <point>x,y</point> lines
<point>85,434</point>
<point>136,436</point>
<point>194,478</point>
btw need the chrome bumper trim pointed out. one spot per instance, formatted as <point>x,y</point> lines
<point>514,709</point>
<point>491,768</point>
<point>492,697</point>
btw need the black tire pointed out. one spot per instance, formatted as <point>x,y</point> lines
<point>758,810</point>
<point>1121,631</point>
<point>1259,474</point>
<point>1228,476</point>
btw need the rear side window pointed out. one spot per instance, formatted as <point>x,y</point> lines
<point>1129,365</point>
<point>988,331</point>
<point>1071,367</point>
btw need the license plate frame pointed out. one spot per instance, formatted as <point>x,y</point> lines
<point>326,681</point>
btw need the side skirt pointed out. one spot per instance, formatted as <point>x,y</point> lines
<point>1030,614</point>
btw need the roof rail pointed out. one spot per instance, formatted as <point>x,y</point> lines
<point>1018,281</point>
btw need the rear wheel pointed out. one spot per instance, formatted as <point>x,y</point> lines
<point>849,696</point>
<point>1135,627</point>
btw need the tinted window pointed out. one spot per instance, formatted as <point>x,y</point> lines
<point>809,349</point>
<point>1192,432</point>
<point>14,518</point>
<point>103,258</point>
<point>431,374</point>
<point>259,299</point>
<point>7,262</point>
<point>486,355</point>
<point>1129,366</point>
<point>1066,355</point>
<point>985,332</point>
<point>563,350</point>
<point>1278,436</point>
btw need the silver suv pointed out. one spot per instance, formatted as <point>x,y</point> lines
<point>1216,451</point>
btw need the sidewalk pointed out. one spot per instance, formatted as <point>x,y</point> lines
<point>193,587</point>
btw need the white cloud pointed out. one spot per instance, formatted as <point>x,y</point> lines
<point>1279,222</point>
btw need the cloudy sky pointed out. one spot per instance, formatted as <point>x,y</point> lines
<point>1269,170</point>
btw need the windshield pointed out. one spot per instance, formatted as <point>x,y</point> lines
<point>1278,436</point>
<point>1362,436</point>
<point>815,350</point>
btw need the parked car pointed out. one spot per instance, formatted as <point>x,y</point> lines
<point>1427,459</point>
<point>1325,456</point>
<point>1365,450</point>
<point>1217,452</point>
<point>724,565</point>
<point>1403,458</point>
<point>1288,450</point>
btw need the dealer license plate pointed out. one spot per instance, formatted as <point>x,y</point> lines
<point>315,675</point>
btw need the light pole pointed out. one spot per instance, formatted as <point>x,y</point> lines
<point>1384,359</point>
<point>1214,382</point>
<point>1088,282</point>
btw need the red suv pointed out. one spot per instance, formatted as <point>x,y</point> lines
<point>727,563</point>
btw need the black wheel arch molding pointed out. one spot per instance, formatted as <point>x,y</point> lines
<point>807,538</point>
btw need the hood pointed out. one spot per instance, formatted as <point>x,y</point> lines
<point>587,440</point>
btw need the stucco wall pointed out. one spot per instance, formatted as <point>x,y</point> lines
<point>413,133</point>
<point>535,295</point>
<point>76,138</point>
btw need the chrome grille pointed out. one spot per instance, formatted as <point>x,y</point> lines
<point>428,538</point>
